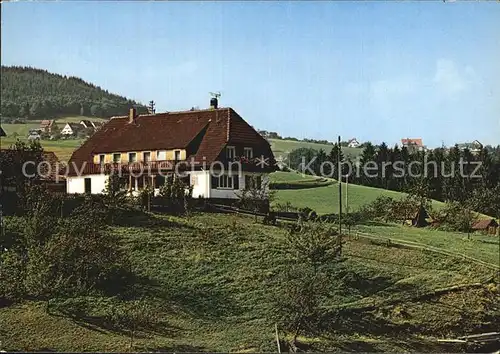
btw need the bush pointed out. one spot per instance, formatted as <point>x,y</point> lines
<point>61,257</point>
<point>297,304</point>
<point>379,208</point>
<point>314,243</point>
<point>456,216</point>
<point>175,197</point>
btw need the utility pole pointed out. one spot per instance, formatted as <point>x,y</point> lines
<point>347,194</point>
<point>339,166</point>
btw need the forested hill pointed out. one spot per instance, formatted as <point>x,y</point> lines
<point>33,93</point>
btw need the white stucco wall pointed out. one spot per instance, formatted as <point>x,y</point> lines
<point>232,193</point>
<point>200,180</point>
<point>77,184</point>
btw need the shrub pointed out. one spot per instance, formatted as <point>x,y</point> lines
<point>456,216</point>
<point>175,196</point>
<point>297,304</point>
<point>314,243</point>
<point>257,195</point>
<point>62,257</point>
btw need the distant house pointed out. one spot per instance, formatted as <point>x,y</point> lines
<point>34,135</point>
<point>87,123</point>
<point>90,124</point>
<point>97,125</point>
<point>2,132</point>
<point>353,143</point>
<point>48,126</point>
<point>474,147</point>
<point>71,129</point>
<point>50,172</point>
<point>413,144</point>
<point>487,226</point>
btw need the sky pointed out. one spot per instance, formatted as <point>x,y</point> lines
<point>377,71</point>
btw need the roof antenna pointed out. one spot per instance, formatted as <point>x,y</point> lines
<point>151,107</point>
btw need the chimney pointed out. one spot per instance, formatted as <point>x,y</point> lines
<point>132,115</point>
<point>214,103</point>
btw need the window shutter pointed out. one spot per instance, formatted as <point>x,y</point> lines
<point>259,182</point>
<point>236,182</point>
<point>215,182</point>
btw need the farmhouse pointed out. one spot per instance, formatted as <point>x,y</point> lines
<point>474,147</point>
<point>353,143</point>
<point>413,144</point>
<point>89,124</point>
<point>48,170</point>
<point>71,129</point>
<point>206,147</point>
<point>488,226</point>
<point>86,123</point>
<point>48,126</point>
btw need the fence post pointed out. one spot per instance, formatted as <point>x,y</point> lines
<point>277,337</point>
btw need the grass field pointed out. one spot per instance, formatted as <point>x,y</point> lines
<point>214,278</point>
<point>325,199</point>
<point>281,147</point>
<point>482,247</point>
<point>286,180</point>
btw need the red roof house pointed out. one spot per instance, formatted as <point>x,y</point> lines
<point>194,140</point>
<point>487,226</point>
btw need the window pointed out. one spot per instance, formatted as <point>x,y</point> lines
<point>88,185</point>
<point>248,152</point>
<point>102,158</point>
<point>253,182</point>
<point>159,181</point>
<point>225,182</point>
<point>132,157</point>
<point>186,180</point>
<point>230,152</point>
<point>117,158</point>
<point>146,156</point>
<point>161,155</point>
<point>140,182</point>
<point>177,155</point>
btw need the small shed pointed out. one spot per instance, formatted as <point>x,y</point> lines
<point>420,218</point>
<point>487,226</point>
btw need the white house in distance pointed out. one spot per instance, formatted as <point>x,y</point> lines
<point>192,140</point>
<point>353,143</point>
<point>71,129</point>
<point>90,124</point>
<point>474,147</point>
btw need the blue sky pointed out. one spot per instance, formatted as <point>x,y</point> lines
<point>377,71</point>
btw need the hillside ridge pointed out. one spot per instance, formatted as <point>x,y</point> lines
<point>34,93</point>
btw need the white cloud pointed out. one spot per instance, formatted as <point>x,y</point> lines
<point>452,80</point>
<point>383,96</point>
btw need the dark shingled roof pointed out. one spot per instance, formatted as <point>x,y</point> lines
<point>174,130</point>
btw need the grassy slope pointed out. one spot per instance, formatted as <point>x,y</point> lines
<point>215,277</point>
<point>325,200</point>
<point>285,146</point>
<point>62,148</point>
<point>482,247</point>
